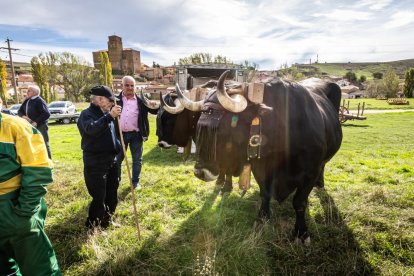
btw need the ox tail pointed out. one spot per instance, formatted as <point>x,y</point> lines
<point>334,95</point>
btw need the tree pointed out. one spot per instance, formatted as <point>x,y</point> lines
<point>51,61</point>
<point>375,88</point>
<point>391,83</point>
<point>377,75</point>
<point>3,87</point>
<point>350,76</point>
<point>105,69</point>
<point>76,76</point>
<point>409,83</point>
<point>39,72</point>
<point>362,79</point>
<point>203,58</point>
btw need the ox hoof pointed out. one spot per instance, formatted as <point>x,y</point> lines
<point>303,240</point>
<point>225,190</point>
<point>224,193</point>
<point>163,144</point>
<point>219,182</point>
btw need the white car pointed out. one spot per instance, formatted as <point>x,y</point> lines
<point>62,107</point>
<point>14,109</point>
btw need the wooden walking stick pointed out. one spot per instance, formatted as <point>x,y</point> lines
<point>134,202</point>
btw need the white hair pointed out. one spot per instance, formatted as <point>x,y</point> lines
<point>94,98</point>
<point>35,89</point>
<point>128,78</point>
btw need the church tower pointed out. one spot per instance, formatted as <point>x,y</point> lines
<point>115,51</point>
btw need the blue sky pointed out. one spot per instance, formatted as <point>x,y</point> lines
<point>267,32</point>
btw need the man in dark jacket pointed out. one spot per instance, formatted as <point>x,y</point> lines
<point>100,147</point>
<point>35,111</point>
<point>134,125</point>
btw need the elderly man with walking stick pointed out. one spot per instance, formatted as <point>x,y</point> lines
<point>100,147</point>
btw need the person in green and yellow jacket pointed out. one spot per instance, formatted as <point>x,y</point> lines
<point>25,172</point>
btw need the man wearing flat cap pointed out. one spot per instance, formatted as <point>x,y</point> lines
<point>100,147</point>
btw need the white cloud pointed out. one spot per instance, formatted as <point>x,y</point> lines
<point>270,32</point>
<point>374,5</point>
<point>400,19</point>
<point>345,15</point>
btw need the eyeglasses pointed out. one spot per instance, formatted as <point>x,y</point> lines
<point>128,85</point>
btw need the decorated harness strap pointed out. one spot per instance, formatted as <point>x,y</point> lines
<point>255,141</point>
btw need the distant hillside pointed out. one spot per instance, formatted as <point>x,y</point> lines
<point>19,67</point>
<point>359,68</point>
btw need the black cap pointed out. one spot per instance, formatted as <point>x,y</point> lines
<point>102,90</point>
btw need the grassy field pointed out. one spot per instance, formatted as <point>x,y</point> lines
<point>361,224</point>
<point>373,104</point>
<point>360,68</point>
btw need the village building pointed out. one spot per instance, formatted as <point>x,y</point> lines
<point>124,61</point>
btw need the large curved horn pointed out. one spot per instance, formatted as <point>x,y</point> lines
<point>178,108</point>
<point>186,102</point>
<point>235,103</point>
<point>148,103</point>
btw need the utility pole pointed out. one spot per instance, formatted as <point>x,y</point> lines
<point>12,68</point>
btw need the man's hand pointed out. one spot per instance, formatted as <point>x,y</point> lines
<point>115,111</point>
<point>33,123</point>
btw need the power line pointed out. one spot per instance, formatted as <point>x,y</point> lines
<point>14,53</point>
<point>12,67</point>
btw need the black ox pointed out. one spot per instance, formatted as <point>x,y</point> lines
<point>176,125</point>
<point>287,138</point>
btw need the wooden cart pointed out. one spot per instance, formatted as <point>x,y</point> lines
<point>345,115</point>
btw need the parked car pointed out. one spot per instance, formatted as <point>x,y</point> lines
<point>12,110</point>
<point>62,107</point>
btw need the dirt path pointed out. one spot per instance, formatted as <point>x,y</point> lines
<point>383,111</point>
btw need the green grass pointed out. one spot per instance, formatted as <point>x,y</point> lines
<point>362,223</point>
<point>359,68</point>
<point>374,104</point>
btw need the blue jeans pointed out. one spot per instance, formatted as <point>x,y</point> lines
<point>132,139</point>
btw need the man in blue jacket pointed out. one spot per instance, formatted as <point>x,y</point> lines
<point>35,111</point>
<point>100,147</point>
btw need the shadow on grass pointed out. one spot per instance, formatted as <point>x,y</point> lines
<point>158,156</point>
<point>221,234</point>
<point>336,243</point>
<point>355,125</point>
<point>67,237</point>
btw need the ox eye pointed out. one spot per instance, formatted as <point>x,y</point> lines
<point>234,120</point>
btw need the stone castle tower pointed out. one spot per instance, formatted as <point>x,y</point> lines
<point>123,61</point>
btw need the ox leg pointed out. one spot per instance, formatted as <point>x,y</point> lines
<point>320,181</point>
<point>220,179</point>
<point>300,202</point>
<point>228,185</point>
<point>266,195</point>
<point>265,182</point>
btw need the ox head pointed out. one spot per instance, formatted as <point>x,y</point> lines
<point>148,103</point>
<point>175,125</point>
<point>223,131</point>
<point>177,118</point>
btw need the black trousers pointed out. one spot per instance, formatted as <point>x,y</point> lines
<point>43,128</point>
<point>101,178</point>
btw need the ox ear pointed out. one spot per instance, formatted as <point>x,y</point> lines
<point>264,109</point>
